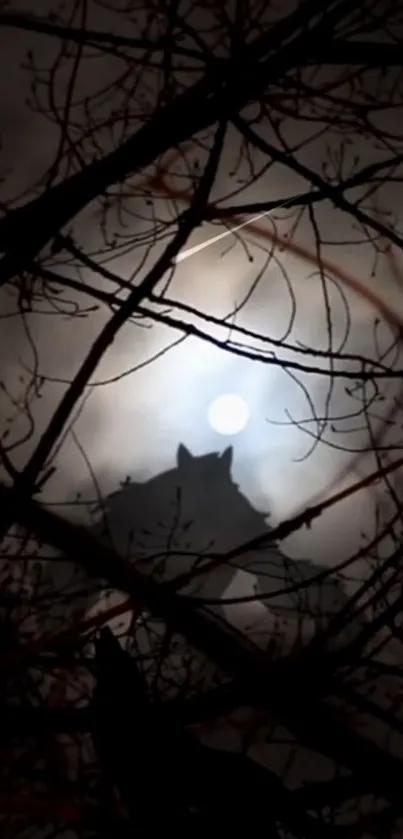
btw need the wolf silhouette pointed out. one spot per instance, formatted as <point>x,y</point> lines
<point>168,524</point>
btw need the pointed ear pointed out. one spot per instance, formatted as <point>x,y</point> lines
<point>226,458</point>
<point>183,456</point>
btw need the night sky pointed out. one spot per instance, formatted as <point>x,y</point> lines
<point>132,422</point>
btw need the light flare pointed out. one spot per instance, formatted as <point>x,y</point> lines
<point>228,414</point>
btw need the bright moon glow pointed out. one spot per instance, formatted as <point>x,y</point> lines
<point>229,414</point>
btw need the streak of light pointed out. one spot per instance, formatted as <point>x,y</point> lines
<point>182,255</point>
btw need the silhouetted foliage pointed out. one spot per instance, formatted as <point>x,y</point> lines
<point>147,124</point>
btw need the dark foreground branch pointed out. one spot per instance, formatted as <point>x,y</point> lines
<point>292,690</point>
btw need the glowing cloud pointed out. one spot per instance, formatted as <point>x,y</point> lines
<point>228,414</point>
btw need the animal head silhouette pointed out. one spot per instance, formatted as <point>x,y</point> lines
<point>196,505</point>
<point>172,522</point>
<point>188,464</point>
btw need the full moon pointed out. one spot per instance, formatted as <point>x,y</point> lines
<point>228,414</point>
